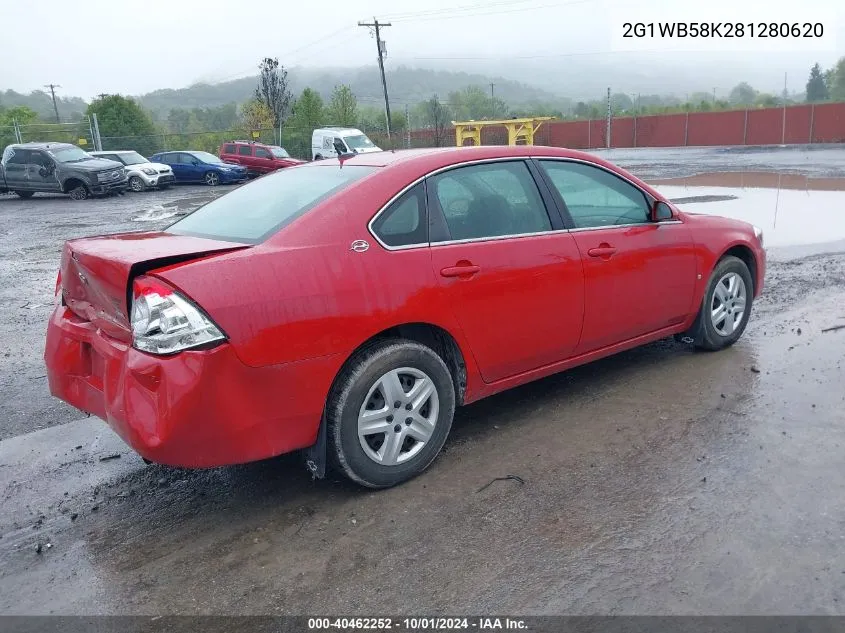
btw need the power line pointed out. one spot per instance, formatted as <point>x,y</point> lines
<point>467,7</point>
<point>290,53</point>
<point>541,56</point>
<point>470,14</point>
<point>52,88</point>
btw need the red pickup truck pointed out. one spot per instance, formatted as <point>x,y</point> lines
<point>257,158</point>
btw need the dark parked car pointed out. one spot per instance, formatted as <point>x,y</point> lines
<point>201,167</point>
<point>348,308</point>
<point>58,168</point>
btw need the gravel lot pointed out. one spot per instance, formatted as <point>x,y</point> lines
<point>659,481</point>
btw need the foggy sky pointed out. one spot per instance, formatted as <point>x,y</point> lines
<point>132,47</point>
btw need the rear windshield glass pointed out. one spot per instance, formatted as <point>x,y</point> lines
<point>253,212</point>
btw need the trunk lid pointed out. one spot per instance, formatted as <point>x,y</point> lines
<point>97,272</point>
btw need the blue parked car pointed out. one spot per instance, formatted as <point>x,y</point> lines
<point>200,167</point>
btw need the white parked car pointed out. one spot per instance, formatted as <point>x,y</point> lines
<point>141,172</point>
<point>324,142</point>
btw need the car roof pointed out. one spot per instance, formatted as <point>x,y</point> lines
<point>37,145</point>
<point>114,151</point>
<point>339,130</point>
<point>414,163</point>
<point>435,157</point>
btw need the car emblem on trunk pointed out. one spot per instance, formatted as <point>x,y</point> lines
<point>359,246</point>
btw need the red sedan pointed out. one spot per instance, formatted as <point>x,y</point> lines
<point>348,308</point>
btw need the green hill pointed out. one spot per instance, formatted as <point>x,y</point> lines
<point>407,86</point>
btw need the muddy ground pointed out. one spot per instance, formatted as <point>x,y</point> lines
<point>659,481</point>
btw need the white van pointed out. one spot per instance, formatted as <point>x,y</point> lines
<point>354,141</point>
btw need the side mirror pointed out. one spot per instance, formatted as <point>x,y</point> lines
<point>195,162</point>
<point>339,148</point>
<point>661,211</point>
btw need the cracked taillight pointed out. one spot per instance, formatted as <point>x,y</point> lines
<point>165,322</point>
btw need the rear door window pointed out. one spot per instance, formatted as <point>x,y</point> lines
<point>253,212</point>
<point>244,150</point>
<point>18,156</point>
<point>228,149</point>
<point>490,200</point>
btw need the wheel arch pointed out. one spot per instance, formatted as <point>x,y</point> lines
<point>72,183</point>
<point>440,340</point>
<point>744,253</point>
<point>437,338</point>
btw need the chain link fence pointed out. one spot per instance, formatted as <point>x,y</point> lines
<point>76,132</point>
<point>197,141</point>
<point>799,124</point>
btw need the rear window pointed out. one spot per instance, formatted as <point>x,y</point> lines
<point>253,212</point>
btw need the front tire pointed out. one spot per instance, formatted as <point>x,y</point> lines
<point>212,178</point>
<point>727,304</point>
<point>136,184</point>
<point>80,192</point>
<point>389,413</point>
<point>24,194</point>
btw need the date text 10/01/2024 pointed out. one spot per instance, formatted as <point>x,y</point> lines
<point>723,29</point>
<point>416,624</point>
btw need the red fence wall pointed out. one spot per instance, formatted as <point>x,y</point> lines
<point>828,123</point>
<point>822,123</point>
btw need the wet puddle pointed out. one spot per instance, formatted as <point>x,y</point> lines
<point>792,210</point>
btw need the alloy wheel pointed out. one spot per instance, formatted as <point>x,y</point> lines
<point>727,306</point>
<point>78,193</point>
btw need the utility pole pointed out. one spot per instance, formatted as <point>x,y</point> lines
<point>492,100</point>
<point>609,116</point>
<point>714,98</point>
<point>407,127</point>
<point>52,88</point>
<point>375,24</point>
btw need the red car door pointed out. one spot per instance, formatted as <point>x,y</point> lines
<point>639,275</point>
<point>264,161</point>
<point>511,274</point>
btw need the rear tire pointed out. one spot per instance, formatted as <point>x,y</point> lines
<point>373,441</point>
<point>318,157</point>
<point>24,194</point>
<point>726,306</point>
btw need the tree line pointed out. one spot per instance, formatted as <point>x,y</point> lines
<point>275,115</point>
